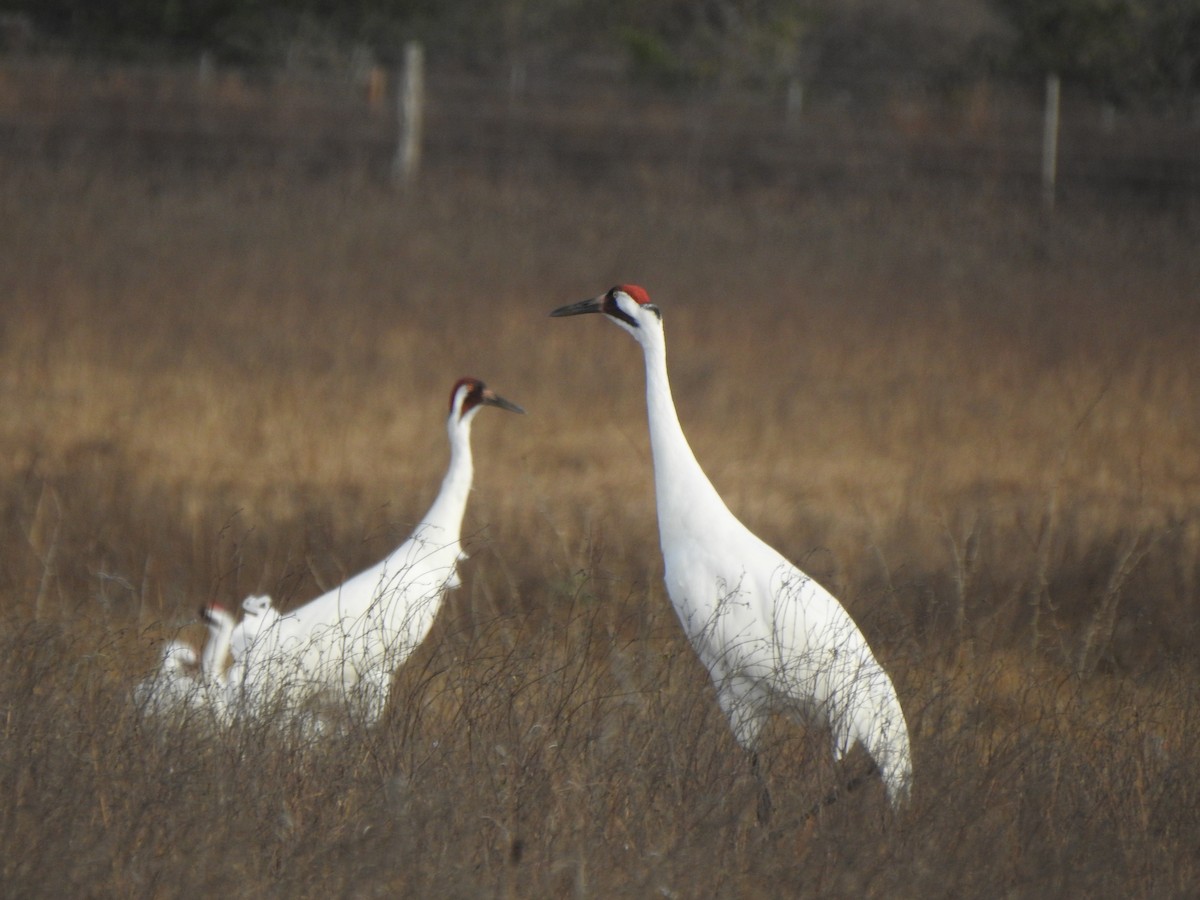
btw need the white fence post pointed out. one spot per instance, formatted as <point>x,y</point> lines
<point>411,104</point>
<point>204,74</point>
<point>1050,139</point>
<point>793,104</point>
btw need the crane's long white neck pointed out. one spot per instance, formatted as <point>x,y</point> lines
<point>216,648</point>
<point>682,490</point>
<point>443,522</point>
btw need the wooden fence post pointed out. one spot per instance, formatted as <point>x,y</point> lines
<point>376,88</point>
<point>411,103</point>
<point>1050,139</point>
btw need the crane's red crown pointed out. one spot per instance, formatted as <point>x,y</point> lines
<point>637,292</point>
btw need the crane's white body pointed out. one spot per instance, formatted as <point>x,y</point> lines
<point>351,639</point>
<point>770,636</point>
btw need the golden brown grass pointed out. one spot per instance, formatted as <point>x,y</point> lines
<point>977,426</point>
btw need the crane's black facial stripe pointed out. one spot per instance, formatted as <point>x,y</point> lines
<point>613,309</point>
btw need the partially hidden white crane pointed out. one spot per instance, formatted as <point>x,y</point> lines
<point>771,637</point>
<point>184,681</point>
<point>172,685</point>
<point>350,640</point>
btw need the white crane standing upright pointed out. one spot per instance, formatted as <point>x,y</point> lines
<point>770,636</point>
<point>351,639</point>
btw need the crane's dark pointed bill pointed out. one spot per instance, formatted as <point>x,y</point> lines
<point>595,305</point>
<point>491,398</point>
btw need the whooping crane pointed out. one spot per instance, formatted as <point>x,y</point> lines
<point>351,639</point>
<point>770,636</point>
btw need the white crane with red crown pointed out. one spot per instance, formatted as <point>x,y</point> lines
<point>350,640</point>
<point>771,637</point>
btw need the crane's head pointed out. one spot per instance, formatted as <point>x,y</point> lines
<point>256,605</point>
<point>470,395</point>
<point>215,616</point>
<point>626,304</point>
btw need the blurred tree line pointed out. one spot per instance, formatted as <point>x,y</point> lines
<point>1124,50</point>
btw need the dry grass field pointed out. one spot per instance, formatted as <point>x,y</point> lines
<point>977,424</point>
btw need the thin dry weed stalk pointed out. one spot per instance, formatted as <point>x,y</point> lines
<point>1099,633</point>
<point>233,386</point>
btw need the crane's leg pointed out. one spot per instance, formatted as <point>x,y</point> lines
<point>746,716</point>
<point>850,785</point>
<point>765,807</point>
